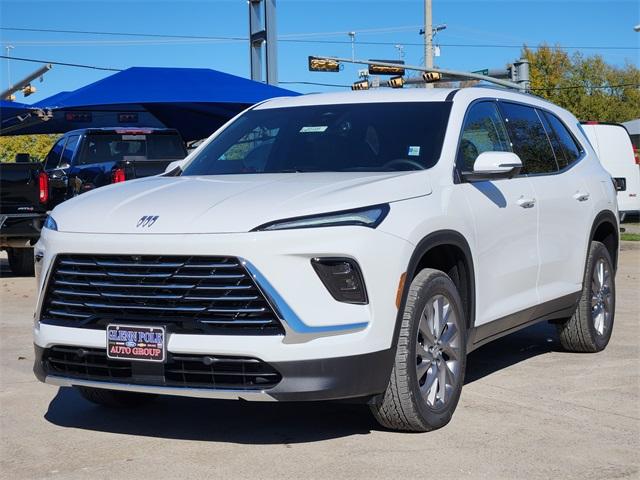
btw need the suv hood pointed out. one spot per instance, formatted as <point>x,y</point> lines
<point>230,203</point>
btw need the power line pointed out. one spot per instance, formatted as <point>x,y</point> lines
<point>288,39</point>
<point>64,64</point>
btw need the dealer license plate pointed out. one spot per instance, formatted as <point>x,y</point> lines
<point>133,342</point>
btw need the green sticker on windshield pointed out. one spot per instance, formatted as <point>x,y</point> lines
<point>413,151</point>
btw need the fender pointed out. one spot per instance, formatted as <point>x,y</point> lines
<point>435,239</point>
<point>605,216</point>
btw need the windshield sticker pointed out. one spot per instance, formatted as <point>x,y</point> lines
<point>414,151</point>
<point>134,137</point>
<point>317,129</point>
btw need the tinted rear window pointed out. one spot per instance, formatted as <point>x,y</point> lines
<point>102,148</point>
<point>529,138</point>
<point>346,137</point>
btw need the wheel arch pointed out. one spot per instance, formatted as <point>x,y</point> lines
<point>449,251</point>
<point>605,230</point>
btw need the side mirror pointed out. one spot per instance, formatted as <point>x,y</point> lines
<point>493,166</point>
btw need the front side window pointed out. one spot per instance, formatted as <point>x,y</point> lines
<point>53,157</point>
<point>483,131</point>
<point>567,151</point>
<point>374,137</point>
<point>529,139</point>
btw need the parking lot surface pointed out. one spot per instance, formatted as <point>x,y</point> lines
<point>528,410</point>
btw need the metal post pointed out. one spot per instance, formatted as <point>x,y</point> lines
<point>262,32</point>
<point>428,37</point>
<point>352,35</point>
<point>8,48</point>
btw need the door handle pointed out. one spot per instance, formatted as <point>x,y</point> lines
<point>581,196</point>
<point>526,202</point>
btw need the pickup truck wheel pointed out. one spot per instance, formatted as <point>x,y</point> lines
<point>21,261</point>
<point>428,373</point>
<point>590,327</point>
<point>115,398</point>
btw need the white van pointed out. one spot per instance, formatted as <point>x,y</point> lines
<point>613,145</point>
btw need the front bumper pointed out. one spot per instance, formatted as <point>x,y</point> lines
<point>356,376</point>
<point>330,350</point>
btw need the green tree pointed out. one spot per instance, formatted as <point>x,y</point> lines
<point>37,146</point>
<point>585,85</point>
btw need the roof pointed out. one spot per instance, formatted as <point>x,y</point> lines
<point>142,85</point>
<point>195,101</point>
<point>381,95</point>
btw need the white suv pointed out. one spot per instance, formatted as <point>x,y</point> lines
<point>334,246</point>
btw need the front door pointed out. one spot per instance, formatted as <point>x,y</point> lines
<point>505,213</point>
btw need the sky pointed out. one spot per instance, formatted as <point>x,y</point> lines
<point>480,34</point>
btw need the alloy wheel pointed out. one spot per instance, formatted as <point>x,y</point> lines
<point>438,351</point>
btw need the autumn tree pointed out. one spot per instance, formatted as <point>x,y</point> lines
<point>37,146</point>
<point>586,85</point>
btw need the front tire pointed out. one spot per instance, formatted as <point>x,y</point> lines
<point>590,327</point>
<point>115,398</point>
<point>21,261</point>
<point>428,373</point>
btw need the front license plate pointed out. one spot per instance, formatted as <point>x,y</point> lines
<point>132,342</point>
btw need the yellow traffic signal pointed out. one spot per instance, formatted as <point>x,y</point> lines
<point>430,77</point>
<point>385,69</point>
<point>317,64</point>
<point>395,82</point>
<point>361,85</point>
<point>28,90</point>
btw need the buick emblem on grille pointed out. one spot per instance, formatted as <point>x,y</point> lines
<point>147,221</point>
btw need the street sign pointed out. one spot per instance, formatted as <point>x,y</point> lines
<point>482,72</point>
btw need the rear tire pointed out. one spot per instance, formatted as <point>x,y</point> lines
<point>21,261</point>
<point>590,327</point>
<point>115,398</point>
<point>430,362</point>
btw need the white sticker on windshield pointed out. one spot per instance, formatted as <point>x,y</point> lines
<point>316,129</point>
<point>414,151</point>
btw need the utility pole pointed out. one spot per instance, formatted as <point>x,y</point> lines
<point>262,32</point>
<point>428,37</point>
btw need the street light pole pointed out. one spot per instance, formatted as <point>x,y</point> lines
<point>8,48</point>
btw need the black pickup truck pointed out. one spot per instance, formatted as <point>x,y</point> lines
<point>89,158</point>
<point>80,160</point>
<point>24,199</point>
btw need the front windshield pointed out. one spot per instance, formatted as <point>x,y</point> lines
<point>375,137</point>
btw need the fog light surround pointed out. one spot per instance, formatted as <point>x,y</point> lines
<point>342,278</point>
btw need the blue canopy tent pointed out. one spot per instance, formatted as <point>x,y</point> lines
<point>194,101</point>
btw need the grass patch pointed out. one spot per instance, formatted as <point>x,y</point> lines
<point>630,237</point>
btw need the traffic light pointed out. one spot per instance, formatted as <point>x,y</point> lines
<point>431,77</point>
<point>317,64</point>
<point>385,69</point>
<point>395,82</point>
<point>28,90</point>
<point>361,85</point>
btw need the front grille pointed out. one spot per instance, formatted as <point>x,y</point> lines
<point>197,371</point>
<point>186,293</point>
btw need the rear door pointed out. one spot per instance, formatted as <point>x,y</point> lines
<point>563,202</point>
<point>506,216</point>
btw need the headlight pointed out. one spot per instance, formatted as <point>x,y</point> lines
<point>50,223</point>
<point>365,217</point>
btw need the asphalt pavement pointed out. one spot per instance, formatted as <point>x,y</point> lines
<point>528,410</point>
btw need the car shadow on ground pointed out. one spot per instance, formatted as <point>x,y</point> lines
<point>272,423</point>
